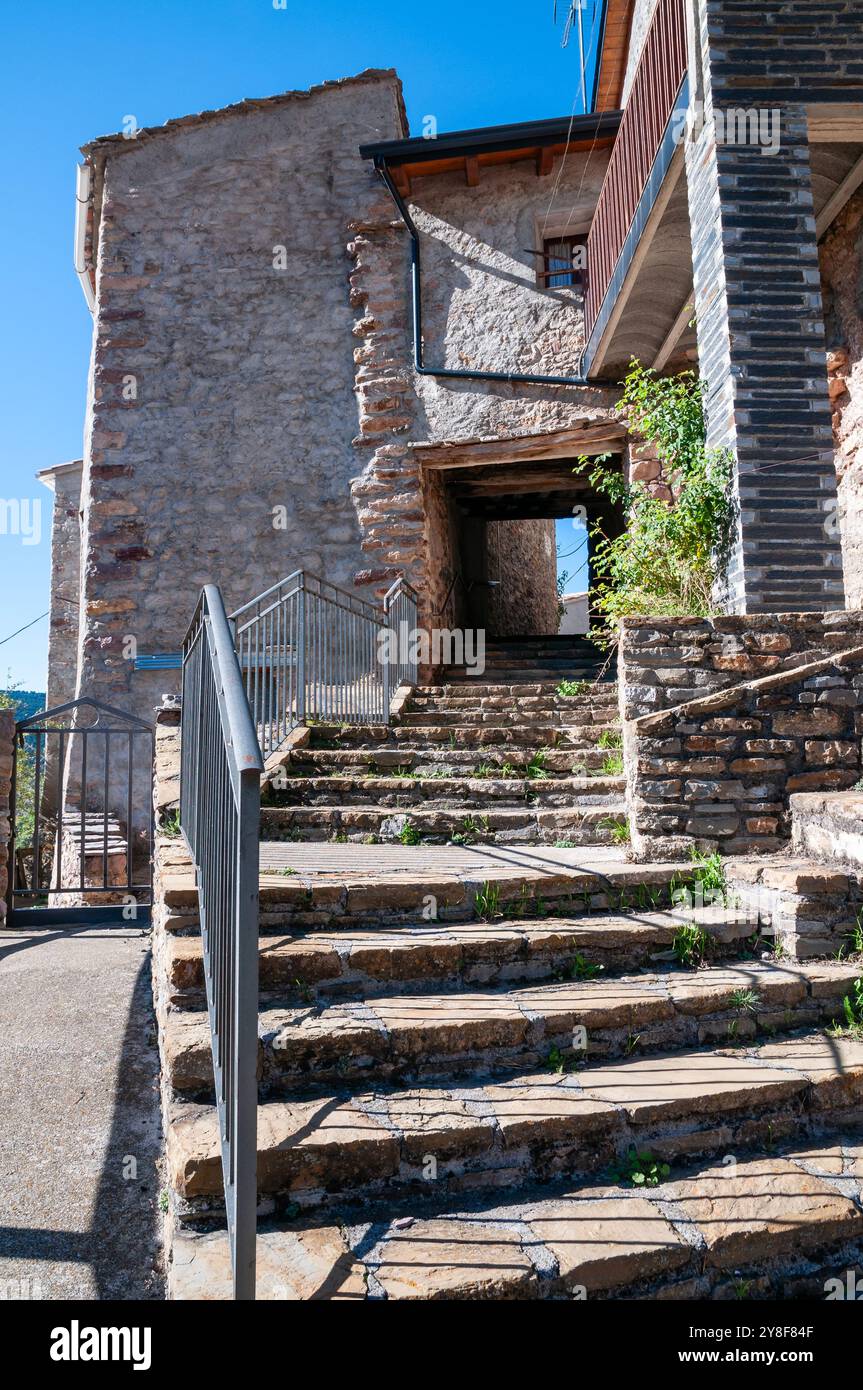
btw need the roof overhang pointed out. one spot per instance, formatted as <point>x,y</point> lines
<point>467,151</point>
<point>613,54</point>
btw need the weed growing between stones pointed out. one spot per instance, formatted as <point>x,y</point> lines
<point>579,968</point>
<point>610,738</point>
<point>618,829</point>
<point>170,824</point>
<point>638,1168</point>
<point>568,690</point>
<point>745,1001</point>
<point>612,766</point>
<point>487,902</point>
<point>709,871</point>
<point>409,835</point>
<point>536,767</point>
<point>691,945</point>
<point>852,1010</point>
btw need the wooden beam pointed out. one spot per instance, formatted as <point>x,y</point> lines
<point>847,188</point>
<point>593,436</point>
<point>835,122</point>
<point>675,333</point>
<point>544,161</point>
<point>471,172</point>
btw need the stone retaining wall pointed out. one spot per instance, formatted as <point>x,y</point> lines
<point>666,661</point>
<point>718,771</point>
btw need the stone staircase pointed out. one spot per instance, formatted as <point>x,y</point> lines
<point>462,1045</point>
<point>507,759</point>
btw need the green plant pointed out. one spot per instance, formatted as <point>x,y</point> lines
<point>338,837</point>
<point>691,944</point>
<point>852,1009</point>
<point>708,870</point>
<point>618,829</point>
<point>565,844</point>
<point>578,968</point>
<point>746,1001</point>
<point>555,1061</point>
<point>672,554</point>
<point>409,835</point>
<point>631,1044</point>
<point>570,689</point>
<point>638,1168</point>
<point>170,823</point>
<point>610,738</point>
<point>741,1288</point>
<point>287,872</point>
<point>487,902</point>
<point>164,1201</point>
<point>612,766</point>
<point>305,991</point>
<point>535,769</point>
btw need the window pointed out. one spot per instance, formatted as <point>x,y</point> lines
<point>564,263</point>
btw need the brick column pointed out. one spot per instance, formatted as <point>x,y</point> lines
<point>761,334</point>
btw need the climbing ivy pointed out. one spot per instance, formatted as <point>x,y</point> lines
<point>670,558</point>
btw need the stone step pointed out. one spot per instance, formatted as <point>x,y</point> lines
<point>332,885</point>
<point>507,1130</point>
<point>462,735</point>
<point>545,671</point>
<point>779,1227</point>
<point>475,689</point>
<point>504,718</point>
<point>460,1033</point>
<point>594,821</point>
<point>424,956</point>
<point>828,827</point>
<point>459,762</point>
<point>471,794</point>
<point>815,908</point>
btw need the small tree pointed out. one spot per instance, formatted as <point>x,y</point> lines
<point>673,554</point>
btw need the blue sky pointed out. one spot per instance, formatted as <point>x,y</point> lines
<point>74,69</point>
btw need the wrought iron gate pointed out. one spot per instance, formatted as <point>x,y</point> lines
<point>81,845</point>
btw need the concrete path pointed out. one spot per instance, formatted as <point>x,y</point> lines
<point>80,1137</point>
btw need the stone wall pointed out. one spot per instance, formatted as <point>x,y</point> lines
<point>482,311</point>
<point>666,661</point>
<point>523,557</point>
<point>222,408</point>
<point>719,771</point>
<point>65,483</point>
<point>841,259</point>
<point>7,741</point>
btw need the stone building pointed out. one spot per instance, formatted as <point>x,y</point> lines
<point>322,343</point>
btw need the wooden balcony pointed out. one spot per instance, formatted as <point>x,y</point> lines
<point>641,158</point>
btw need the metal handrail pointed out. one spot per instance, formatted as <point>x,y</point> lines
<point>400,618</point>
<point>308,649</point>
<point>220,798</point>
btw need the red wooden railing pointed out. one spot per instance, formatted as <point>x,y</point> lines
<point>661,70</point>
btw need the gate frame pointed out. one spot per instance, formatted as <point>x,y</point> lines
<point>91,914</point>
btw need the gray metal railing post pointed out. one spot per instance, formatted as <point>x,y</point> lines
<point>221,766</point>
<point>301,652</point>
